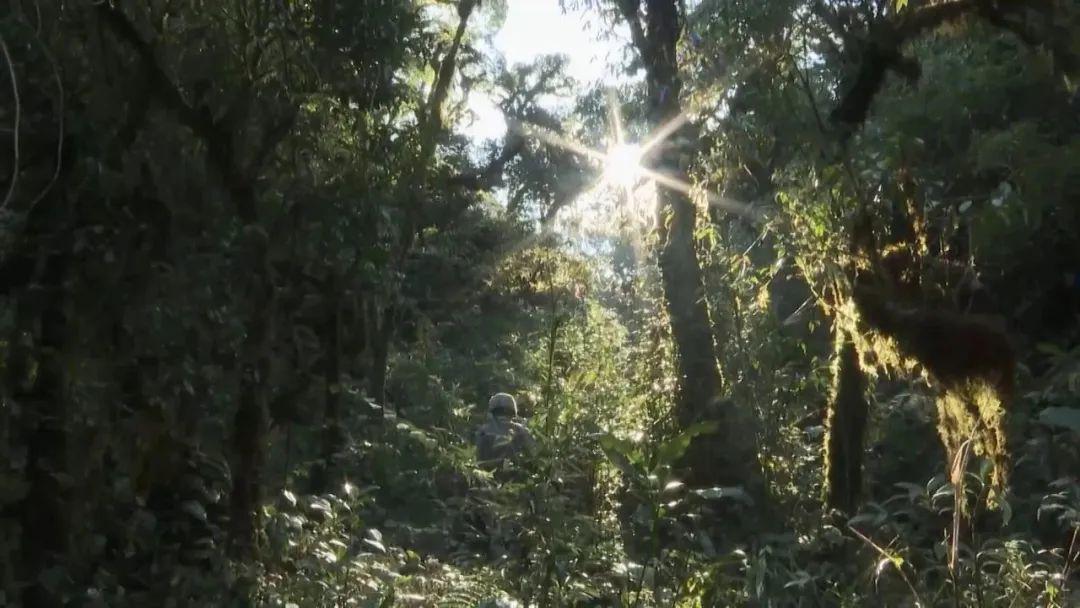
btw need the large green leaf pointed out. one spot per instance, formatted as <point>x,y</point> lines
<point>622,453</point>
<point>673,449</point>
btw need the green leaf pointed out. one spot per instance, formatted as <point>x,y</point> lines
<point>1047,348</point>
<point>1006,511</point>
<point>802,578</point>
<point>673,449</point>
<point>914,490</point>
<point>1061,417</point>
<point>622,453</point>
<point>374,544</point>
<point>725,493</point>
<point>194,509</point>
<point>894,560</point>
<point>673,486</point>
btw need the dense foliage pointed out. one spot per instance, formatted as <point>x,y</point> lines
<point>257,285</point>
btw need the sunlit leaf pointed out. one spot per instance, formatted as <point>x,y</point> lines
<point>194,509</point>
<point>725,493</point>
<point>802,578</point>
<point>376,545</point>
<point>673,449</point>
<point>621,453</point>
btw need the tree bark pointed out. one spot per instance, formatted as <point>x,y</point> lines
<point>249,432</point>
<point>323,478</point>
<point>728,457</point>
<point>44,513</point>
<point>845,425</point>
<point>251,421</point>
<point>380,354</point>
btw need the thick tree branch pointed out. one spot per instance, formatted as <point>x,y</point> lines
<point>217,135</point>
<point>831,18</point>
<point>489,176</point>
<point>433,122</point>
<point>276,132</point>
<point>881,49</point>
<point>881,52</point>
<point>630,10</point>
<point>159,83</point>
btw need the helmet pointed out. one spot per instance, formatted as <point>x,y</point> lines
<point>502,404</point>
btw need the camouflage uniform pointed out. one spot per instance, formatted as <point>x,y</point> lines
<point>499,441</point>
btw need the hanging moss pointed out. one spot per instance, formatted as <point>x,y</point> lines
<point>845,427</point>
<point>968,358</point>
<point>953,348</point>
<point>902,295</point>
<point>903,267</point>
<point>975,411</point>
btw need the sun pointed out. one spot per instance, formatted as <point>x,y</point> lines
<point>622,164</point>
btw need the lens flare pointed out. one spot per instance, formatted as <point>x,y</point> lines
<point>622,165</point>
<point>624,170</point>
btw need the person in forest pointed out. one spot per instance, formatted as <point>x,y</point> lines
<point>499,441</point>
<point>500,438</point>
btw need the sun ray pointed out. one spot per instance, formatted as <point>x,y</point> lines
<point>616,117</point>
<point>722,202</point>
<point>665,131</point>
<point>550,137</point>
<point>623,165</point>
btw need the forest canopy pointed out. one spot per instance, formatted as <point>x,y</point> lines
<point>539,303</point>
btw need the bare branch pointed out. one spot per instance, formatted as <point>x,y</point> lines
<point>15,129</point>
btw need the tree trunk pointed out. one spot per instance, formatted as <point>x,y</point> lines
<point>44,514</point>
<point>323,477</point>
<point>845,425</point>
<point>412,193</point>
<point>249,432</point>
<point>380,354</point>
<point>223,139</point>
<point>728,457</point>
<point>700,382</point>
<point>251,422</point>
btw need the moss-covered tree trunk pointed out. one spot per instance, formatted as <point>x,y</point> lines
<point>845,425</point>
<point>412,193</point>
